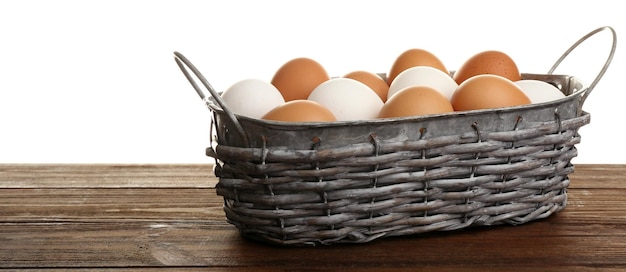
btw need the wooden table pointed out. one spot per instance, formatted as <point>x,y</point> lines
<point>169,218</point>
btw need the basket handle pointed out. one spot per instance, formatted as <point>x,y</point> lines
<point>604,68</point>
<point>184,64</point>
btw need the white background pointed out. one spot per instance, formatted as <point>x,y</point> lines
<point>95,81</point>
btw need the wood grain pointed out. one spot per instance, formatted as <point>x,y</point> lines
<point>168,217</point>
<point>106,175</point>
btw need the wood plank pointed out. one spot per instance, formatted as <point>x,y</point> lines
<point>107,221</point>
<point>543,244</point>
<point>599,176</point>
<point>129,239</point>
<point>103,204</point>
<point>106,175</point>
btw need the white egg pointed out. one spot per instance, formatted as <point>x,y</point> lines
<point>539,91</point>
<point>424,76</point>
<point>347,99</point>
<point>252,97</point>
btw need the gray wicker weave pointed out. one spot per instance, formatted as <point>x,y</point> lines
<point>356,181</point>
<point>401,177</point>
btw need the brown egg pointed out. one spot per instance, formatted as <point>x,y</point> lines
<point>411,58</point>
<point>300,110</point>
<point>374,81</point>
<point>488,62</point>
<point>414,101</point>
<point>487,91</point>
<point>297,78</point>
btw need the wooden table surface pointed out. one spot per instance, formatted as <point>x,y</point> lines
<point>169,218</point>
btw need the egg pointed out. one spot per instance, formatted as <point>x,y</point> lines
<point>487,91</point>
<point>374,81</point>
<point>300,111</point>
<point>415,101</point>
<point>411,58</point>
<point>539,91</point>
<point>488,62</point>
<point>347,99</point>
<point>297,78</point>
<point>243,97</point>
<point>424,76</point>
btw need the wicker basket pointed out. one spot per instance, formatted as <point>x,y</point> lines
<point>357,181</point>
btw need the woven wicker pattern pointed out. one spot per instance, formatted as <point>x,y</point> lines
<point>385,187</point>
